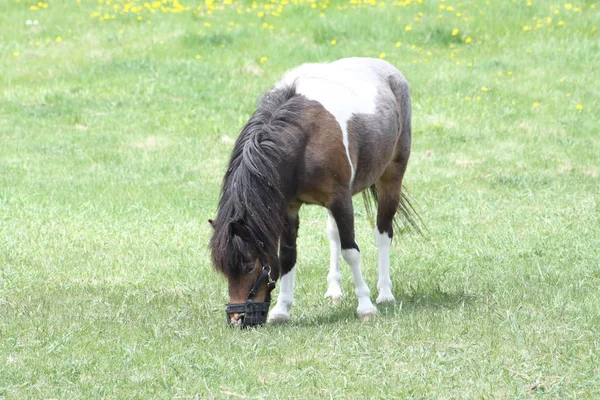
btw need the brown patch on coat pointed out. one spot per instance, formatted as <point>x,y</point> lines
<point>324,171</point>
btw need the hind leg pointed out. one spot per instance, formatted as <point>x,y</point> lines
<point>334,278</point>
<point>343,213</point>
<point>287,261</point>
<point>388,189</point>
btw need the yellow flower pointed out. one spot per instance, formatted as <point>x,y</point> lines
<point>454,32</point>
<point>333,41</point>
<point>382,55</point>
<point>198,57</point>
<point>535,105</point>
<point>561,23</point>
<point>16,54</point>
<point>509,73</point>
<point>398,44</point>
<point>579,107</point>
<point>408,28</point>
<point>263,59</point>
<point>468,40</point>
<point>568,6</point>
<point>207,24</point>
<point>484,89</point>
<point>58,39</point>
<point>260,14</point>
<point>467,98</point>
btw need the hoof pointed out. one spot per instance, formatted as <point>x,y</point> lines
<point>367,314</point>
<point>334,295</point>
<point>385,298</point>
<point>278,317</point>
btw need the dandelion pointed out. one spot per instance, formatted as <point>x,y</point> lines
<point>382,55</point>
<point>398,44</point>
<point>469,64</point>
<point>58,39</point>
<point>484,89</point>
<point>467,98</point>
<point>561,23</point>
<point>16,54</point>
<point>468,40</point>
<point>454,32</point>
<point>478,98</point>
<point>260,14</point>
<point>509,73</point>
<point>198,57</point>
<point>579,107</point>
<point>535,104</point>
<point>207,24</point>
<point>333,42</point>
<point>263,59</point>
<point>568,6</point>
<point>408,28</point>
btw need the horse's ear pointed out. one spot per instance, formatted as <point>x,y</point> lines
<point>212,223</point>
<point>237,228</point>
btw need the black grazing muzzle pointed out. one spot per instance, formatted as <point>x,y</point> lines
<point>253,313</point>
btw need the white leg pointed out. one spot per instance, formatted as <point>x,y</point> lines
<point>281,311</point>
<point>384,284</point>
<point>334,278</point>
<point>365,306</point>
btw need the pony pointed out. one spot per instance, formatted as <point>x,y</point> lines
<point>322,134</point>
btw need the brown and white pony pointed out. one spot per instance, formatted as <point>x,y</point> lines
<point>324,133</point>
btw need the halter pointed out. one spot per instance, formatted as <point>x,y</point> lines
<point>253,313</point>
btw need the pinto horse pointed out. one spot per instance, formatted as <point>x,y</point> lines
<point>323,133</point>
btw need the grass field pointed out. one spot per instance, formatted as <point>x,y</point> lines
<point>116,122</point>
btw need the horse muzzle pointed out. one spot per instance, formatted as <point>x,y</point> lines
<point>248,314</point>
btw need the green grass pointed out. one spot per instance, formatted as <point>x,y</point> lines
<point>115,137</point>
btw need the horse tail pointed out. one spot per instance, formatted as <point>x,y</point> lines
<point>406,217</point>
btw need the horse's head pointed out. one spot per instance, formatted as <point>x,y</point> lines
<point>251,270</point>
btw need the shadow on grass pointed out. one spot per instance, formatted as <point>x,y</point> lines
<point>408,300</point>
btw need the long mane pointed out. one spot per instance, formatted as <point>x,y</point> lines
<point>252,189</point>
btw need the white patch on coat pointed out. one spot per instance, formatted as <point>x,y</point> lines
<point>334,278</point>
<point>345,87</point>
<point>365,306</point>
<point>281,311</point>
<point>384,284</point>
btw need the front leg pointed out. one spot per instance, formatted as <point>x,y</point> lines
<point>343,213</point>
<point>287,261</point>
<point>334,278</point>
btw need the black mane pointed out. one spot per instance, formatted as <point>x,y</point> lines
<point>252,191</point>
